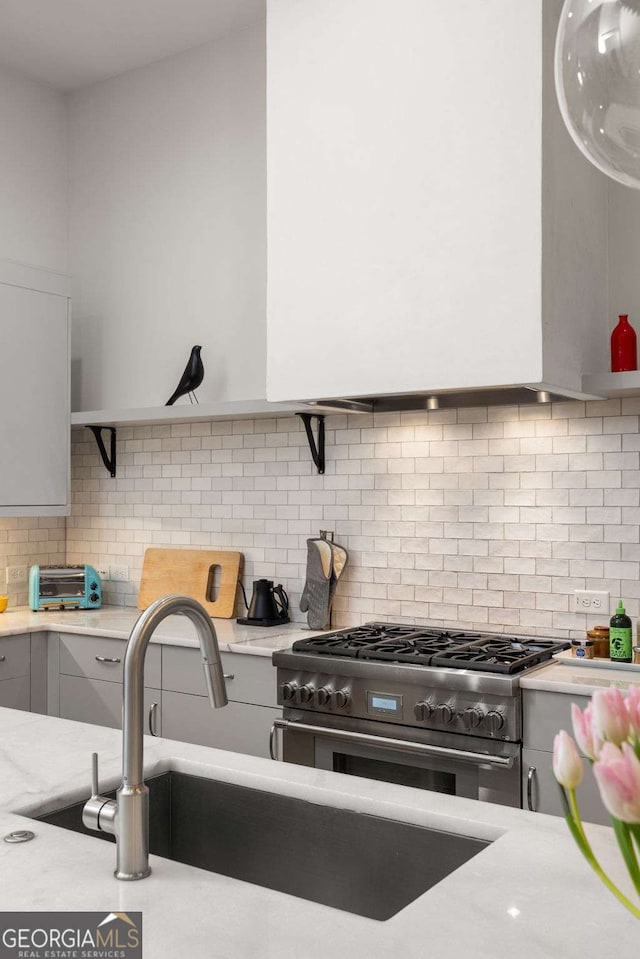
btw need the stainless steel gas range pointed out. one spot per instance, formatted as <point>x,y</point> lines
<point>431,708</point>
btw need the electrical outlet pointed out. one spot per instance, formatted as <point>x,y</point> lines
<point>591,601</point>
<point>16,575</point>
<point>119,574</point>
<point>103,573</point>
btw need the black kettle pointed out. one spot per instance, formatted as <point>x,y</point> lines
<point>269,605</point>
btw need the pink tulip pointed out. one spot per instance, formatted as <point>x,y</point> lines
<point>633,709</point>
<point>567,764</point>
<point>583,731</point>
<point>617,772</point>
<point>610,719</point>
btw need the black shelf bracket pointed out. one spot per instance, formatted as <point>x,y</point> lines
<point>109,460</point>
<point>317,448</point>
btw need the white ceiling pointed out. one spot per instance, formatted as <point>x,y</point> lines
<point>72,43</point>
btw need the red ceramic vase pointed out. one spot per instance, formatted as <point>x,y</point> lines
<point>624,347</point>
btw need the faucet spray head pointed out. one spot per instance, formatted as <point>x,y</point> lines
<point>215,684</point>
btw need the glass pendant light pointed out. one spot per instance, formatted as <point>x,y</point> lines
<point>597,68</point>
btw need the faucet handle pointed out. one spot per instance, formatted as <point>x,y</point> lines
<point>99,813</point>
<point>95,791</point>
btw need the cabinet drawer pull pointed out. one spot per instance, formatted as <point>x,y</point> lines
<point>153,729</point>
<point>108,659</point>
<point>530,777</point>
<point>229,675</point>
<point>2,659</point>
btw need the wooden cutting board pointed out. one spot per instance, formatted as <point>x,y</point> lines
<point>190,572</point>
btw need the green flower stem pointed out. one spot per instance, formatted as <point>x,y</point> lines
<point>577,830</point>
<point>634,829</point>
<point>623,835</point>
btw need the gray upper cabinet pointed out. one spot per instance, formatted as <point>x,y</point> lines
<point>34,392</point>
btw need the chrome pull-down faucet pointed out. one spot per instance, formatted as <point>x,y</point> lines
<point>127,816</point>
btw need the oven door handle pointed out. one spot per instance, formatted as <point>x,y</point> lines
<point>401,745</point>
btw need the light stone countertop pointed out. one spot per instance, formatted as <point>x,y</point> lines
<point>564,675</point>
<point>528,894</point>
<point>117,622</point>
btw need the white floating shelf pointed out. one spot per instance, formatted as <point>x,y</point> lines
<point>610,385</point>
<point>188,413</point>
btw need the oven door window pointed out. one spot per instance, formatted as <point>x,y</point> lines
<point>443,776</point>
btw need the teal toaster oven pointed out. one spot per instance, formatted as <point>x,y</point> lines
<point>64,587</point>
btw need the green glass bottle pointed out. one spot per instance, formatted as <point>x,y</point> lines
<point>620,633</point>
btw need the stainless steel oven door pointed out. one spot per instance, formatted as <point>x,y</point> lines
<point>465,766</point>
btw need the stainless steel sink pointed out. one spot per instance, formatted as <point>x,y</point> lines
<point>363,864</point>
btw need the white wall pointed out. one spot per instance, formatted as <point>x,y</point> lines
<point>167,227</point>
<point>624,257</point>
<point>33,173</point>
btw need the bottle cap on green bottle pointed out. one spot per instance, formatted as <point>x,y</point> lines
<point>620,610</point>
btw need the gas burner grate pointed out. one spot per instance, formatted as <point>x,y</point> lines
<point>419,649</point>
<point>428,646</point>
<point>391,642</point>
<point>494,655</point>
<point>349,642</point>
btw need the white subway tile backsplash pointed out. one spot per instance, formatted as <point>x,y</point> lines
<point>486,516</point>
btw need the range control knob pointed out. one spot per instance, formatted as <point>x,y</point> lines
<point>341,698</point>
<point>444,713</point>
<point>288,690</point>
<point>323,696</point>
<point>93,586</point>
<point>423,711</point>
<point>472,717</point>
<point>93,597</point>
<point>494,721</point>
<point>305,693</point>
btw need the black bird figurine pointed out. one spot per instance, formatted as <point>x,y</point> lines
<point>191,378</point>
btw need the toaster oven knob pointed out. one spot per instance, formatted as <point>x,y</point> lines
<point>288,690</point>
<point>494,721</point>
<point>94,597</point>
<point>472,717</point>
<point>323,696</point>
<point>305,694</point>
<point>341,698</point>
<point>423,711</point>
<point>444,713</point>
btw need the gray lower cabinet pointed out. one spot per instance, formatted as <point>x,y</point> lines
<point>15,671</point>
<point>241,727</point>
<point>542,792</point>
<point>544,714</point>
<point>101,658</point>
<point>88,674</point>
<point>85,684</point>
<point>249,679</point>
<point>15,693</point>
<point>99,702</point>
